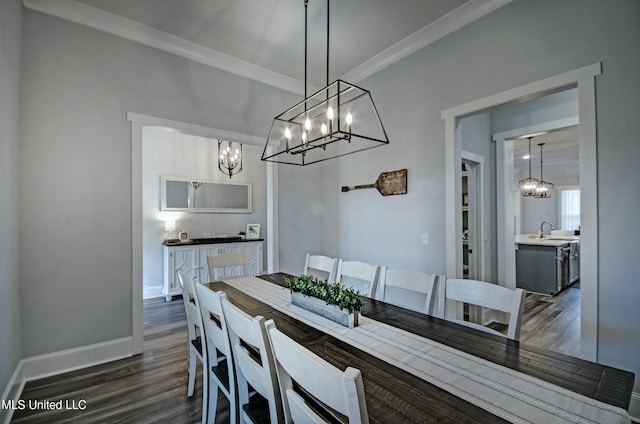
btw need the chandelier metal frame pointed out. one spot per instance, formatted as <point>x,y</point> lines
<point>528,185</point>
<point>544,188</point>
<point>228,159</point>
<point>309,131</point>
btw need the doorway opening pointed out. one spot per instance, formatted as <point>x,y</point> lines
<point>548,271</point>
<point>138,124</point>
<point>584,80</point>
<point>473,206</point>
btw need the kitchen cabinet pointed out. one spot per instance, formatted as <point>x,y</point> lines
<point>546,266</point>
<point>192,259</point>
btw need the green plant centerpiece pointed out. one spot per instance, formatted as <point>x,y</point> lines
<point>334,301</point>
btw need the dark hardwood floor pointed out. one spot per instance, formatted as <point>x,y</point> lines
<point>552,322</point>
<point>152,387</point>
<point>147,388</point>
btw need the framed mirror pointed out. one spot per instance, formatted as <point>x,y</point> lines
<point>186,194</point>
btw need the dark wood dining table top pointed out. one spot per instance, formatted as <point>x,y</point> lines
<point>394,395</point>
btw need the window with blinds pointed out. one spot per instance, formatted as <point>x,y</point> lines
<point>569,208</point>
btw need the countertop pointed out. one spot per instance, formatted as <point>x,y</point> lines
<point>546,241</point>
<point>215,240</point>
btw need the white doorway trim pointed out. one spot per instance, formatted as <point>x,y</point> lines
<point>585,80</point>
<point>138,123</point>
<point>505,194</point>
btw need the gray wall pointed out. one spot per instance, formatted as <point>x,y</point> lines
<point>75,168</point>
<point>522,42</point>
<point>553,107</point>
<point>10,40</point>
<point>475,132</point>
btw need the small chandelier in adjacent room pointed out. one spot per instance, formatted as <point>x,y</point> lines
<point>195,184</point>
<point>229,158</point>
<point>528,185</point>
<point>337,120</point>
<point>544,188</point>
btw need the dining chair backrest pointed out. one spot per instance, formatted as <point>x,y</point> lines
<point>227,265</point>
<point>253,358</point>
<point>217,339</point>
<point>361,275</point>
<point>326,265</point>
<point>418,290</point>
<point>487,295</point>
<point>197,341</point>
<point>191,304</point>
<point>323,382</point>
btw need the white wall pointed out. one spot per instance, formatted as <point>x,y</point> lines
<point>10,40</point>
<point>534,211</point>
<point>172,153</point>
<point>522,42</point>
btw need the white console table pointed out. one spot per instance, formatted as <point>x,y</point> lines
<point>191,258</point>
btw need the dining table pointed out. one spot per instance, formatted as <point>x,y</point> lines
<point>417,368</point>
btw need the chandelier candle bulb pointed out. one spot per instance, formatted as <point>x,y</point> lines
<point>287,136</point>
<point>330,119</point>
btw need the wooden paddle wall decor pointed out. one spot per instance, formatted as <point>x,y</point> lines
<point>388,183</point>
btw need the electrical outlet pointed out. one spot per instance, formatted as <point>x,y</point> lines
<point>425,239</point>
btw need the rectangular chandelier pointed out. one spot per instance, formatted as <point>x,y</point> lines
<point>337,120</point>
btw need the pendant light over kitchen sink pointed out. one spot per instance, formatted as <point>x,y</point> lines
<point>544,188</point>
<point>337,120</point>
<point>528,185</point>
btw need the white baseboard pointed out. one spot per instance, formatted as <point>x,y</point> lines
<point>60,362</point>
<point>151,292</point>
<point>12,393</point>
<point>634,407</point>
<point>73,359</point>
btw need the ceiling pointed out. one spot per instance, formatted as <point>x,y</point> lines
<point>264,40</point>
<point>561,148</point>
<point>268,35</point>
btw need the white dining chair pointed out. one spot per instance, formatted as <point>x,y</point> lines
<point>410,289</point>
<point>227,265</point>
<point>221,373</point>
<point>323,382</point>
<point>254,365</point>
<point>197,345</point>
<point>360,275</point>
<point>324,264</point>
<point>486,295</point>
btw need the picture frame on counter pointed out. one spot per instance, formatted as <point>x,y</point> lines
<point>253,231</point>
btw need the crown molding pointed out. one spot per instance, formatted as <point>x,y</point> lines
<point>107,22</point>
<point>104,21</point>
<point>439,28</point>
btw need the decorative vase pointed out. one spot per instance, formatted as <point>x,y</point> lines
<point>320,307</point>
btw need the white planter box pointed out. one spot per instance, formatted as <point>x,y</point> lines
<point>320,307</point>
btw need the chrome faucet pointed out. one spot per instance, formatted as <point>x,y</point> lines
<point>542,224</point>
